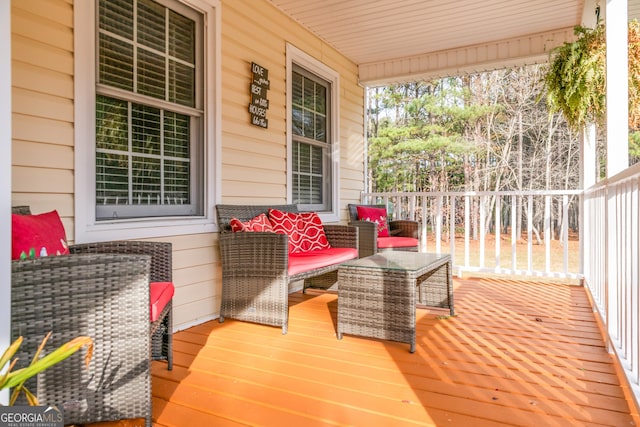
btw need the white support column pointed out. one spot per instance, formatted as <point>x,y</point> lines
<point>617,92</point>
<point>588,178</point>
<point>5,182</point>
<point>617,87</point>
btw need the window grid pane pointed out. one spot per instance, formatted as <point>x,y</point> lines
<point>151,25</point>
<point>165,49</point>
<point>145,152</point>
<point>116,63</point>
<point>307,173</point>
<point>182,36</point>
<point>145,129</point>
<point>310,170</point>
<point>151,74</point>
<point>157,168</point>
<point>116,16</point>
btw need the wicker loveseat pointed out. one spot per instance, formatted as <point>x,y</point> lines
<point>99,290</point>
<point>403,234</point>
<point>256,268</point>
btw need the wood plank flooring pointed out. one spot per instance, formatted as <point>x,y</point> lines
<point>516,353</point>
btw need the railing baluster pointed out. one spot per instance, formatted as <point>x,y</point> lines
<point>483,201</point>
<point>565,232</point>
<point>514,231</point>
<point>530,233</point>
<point>424,231</point>
<point>439,226</point>
<point>539,204</point>
<point>467,229</point>
<point>498,231</point>
<point>547,233</point>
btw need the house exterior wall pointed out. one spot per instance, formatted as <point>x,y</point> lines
<point>253,159</point>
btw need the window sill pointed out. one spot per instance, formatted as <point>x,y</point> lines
<point>143,229</point>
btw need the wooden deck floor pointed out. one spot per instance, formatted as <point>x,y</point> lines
<point>517,353</point>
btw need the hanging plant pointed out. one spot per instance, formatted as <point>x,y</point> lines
<point>576,78</point>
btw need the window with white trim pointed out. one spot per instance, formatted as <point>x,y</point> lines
<point>311,151</point>
<point>149,112</point>
<point>313,163</point>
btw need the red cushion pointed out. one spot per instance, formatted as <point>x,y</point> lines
<point>397,242</point>
<point>37,235</point>
<point>377,215</point>
<point>305,261</point>
<point>287,223</point>
<point>160,293</point>
<point>259,223</point>
<point>312,231</point>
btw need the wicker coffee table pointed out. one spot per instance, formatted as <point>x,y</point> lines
<point>377,295</point>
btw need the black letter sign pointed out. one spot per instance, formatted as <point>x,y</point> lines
<point>259,103</point>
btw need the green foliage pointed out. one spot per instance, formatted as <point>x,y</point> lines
<point>16,378</point>
<point>575,82</point>
<point>634,147</point>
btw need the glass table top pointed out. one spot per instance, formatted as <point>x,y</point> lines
<point>399,260</point>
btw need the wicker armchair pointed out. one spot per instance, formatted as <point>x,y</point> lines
<point>255,279</point>
<point>100,290</point>
<point>161,271</point>
<point>368,232</point>
<point>105,297</point>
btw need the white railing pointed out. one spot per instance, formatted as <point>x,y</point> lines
<point>612,263</point>
<point>538,245</point>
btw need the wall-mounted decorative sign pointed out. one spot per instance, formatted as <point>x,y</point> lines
<point>259,103</point>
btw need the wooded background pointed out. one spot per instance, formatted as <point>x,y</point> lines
<point>482,132</point>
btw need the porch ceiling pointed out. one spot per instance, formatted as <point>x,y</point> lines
<point>401,40</point>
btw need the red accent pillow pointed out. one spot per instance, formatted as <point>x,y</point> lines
<point>287,223</point>
<point>312,231</point>
<point>259,223</point>
<point>37,235</point>
<point>305,230</point>
<point>160,293</point>
<point>377,215</point>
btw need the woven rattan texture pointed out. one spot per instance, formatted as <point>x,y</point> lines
<point>381,303</point>
<point>255,282</point>
<point>161,271</point>
<point>105,297</point>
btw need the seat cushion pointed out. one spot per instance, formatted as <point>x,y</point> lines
<point>34,236</point>
<point>376,215</point>
<point>397,242</point>
<point>160,293</point>
<point>305,261</point>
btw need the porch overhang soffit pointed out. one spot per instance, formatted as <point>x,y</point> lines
<point>394,41</point>
<point>526,50</point>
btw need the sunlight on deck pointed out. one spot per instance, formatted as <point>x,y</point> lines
<point>516,353</point>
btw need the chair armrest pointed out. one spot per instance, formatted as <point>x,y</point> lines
<point>161,254</point>
<point>341,236</point>
<point>404,228</point>
<point>253,254</point>
<point>367,237</point>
